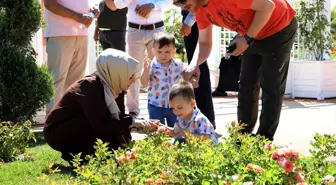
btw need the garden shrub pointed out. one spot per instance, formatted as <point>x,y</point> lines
<point>24,86</point>
<point>13,139</point>
<point>19,21</point>
<point>240,159</point>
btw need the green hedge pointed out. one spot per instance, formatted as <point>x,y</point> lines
<point>24,86</point>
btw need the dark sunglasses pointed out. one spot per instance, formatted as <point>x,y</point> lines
<point>180,3</point>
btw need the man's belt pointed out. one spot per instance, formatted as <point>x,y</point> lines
<point>146,26</point>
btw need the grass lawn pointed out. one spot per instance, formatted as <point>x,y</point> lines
<point>28,171</point>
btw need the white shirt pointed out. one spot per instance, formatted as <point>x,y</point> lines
<point>62,26</point>
<point>155,16</point>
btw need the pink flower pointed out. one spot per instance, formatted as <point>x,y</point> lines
<point>286,164</point>
<point>287,152</point>
<point>301,183</point>
<point>299,177</point>
<point>275,155</point>
<point>268,147</point>
<point>248,183</point>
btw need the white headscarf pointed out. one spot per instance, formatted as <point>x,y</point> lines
<point>115,68</point>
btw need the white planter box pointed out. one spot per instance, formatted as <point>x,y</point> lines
<point>312,79</point>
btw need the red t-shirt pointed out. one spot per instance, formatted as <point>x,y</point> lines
<point>236,15</point>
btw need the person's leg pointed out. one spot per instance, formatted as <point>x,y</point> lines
<point>78,63</point>
<point>119,41</point>
<point>116,39</point>
<point>249,87</point>
<point>171,117</point>
<point>222,86</point>
<point>203,93</point>
<point>136,49</point>
<point>60,53</point>
<point>274,68</point>
<point>104,42</point>
<point>71,137</point>
<point>156,113</point>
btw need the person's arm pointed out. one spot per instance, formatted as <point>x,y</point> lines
<point>96,33</point>
<point>146,73</point>
<point>204,47</point>
<point>120,4</point>
<point>263,11</point>
<point>190,19</point>
<point>58,9</point>
<point>110,4</point>
<point>188,22</point>
<point>163,5</point>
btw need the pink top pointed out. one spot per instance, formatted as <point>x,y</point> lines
<point>62,26</point>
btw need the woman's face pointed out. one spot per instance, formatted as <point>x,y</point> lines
<point>130,81</point>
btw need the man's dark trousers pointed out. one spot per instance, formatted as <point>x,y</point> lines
<point>265,64</point>
<point>203,92</point>
<point>112,39</point>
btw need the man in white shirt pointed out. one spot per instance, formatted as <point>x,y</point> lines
<point>66,42</point>
<point>145,18</point>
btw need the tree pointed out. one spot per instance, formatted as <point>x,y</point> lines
<point>173,25</point>
<point>25,87</point>
<point>333,24</point>
<point>313,25</point>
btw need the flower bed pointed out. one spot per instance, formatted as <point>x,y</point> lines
<point>240,159</point>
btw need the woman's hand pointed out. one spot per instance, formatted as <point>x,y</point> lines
<point>143,125</point>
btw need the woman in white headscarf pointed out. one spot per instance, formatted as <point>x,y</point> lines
<point>93,107</point>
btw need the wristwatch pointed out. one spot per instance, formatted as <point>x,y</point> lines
<point>152,5</point>
<point>249,40</point>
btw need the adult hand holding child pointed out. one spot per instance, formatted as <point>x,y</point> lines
<point>192,74</point>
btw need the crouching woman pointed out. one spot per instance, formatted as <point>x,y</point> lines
<point>93,108</point>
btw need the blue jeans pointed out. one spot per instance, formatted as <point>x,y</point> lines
<point>161,113</point>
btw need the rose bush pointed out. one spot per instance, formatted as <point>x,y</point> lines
<point>240,159</point>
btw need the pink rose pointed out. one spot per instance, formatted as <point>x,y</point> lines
<point>268,147</point>
<point>299,177</point>
<point>286,164</point>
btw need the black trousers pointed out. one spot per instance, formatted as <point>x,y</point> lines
<point>203,92</point>
<point>265,64</point>
<point>113,39</point>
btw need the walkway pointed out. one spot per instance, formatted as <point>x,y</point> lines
<point>300,119</point>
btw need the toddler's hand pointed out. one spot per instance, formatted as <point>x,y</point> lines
<point>155,124</point>
<point>147,64</point>
<point>164,129</point>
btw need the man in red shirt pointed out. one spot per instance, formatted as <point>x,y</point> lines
<point>267,30</point>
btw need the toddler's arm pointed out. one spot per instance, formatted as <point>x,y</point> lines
<point>146,73</point>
